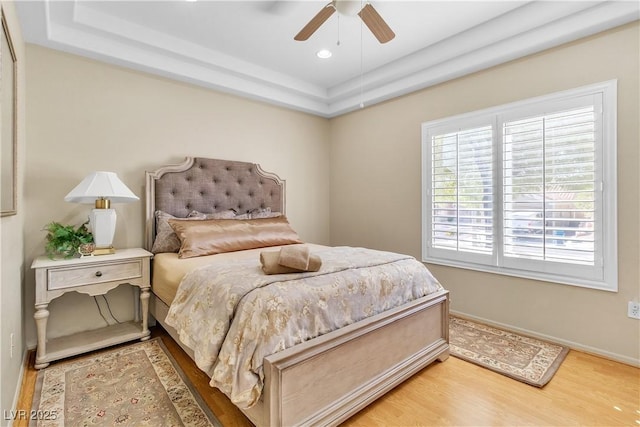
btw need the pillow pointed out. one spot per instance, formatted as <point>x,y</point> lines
<point>259,213</point>
<point>197,215</point>
<point>228,214</point>
<point>166,239</point>
<point>214,236</point>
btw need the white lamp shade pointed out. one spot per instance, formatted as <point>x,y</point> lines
<point>101,185</point>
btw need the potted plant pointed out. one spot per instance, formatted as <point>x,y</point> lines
<point>66,240</point>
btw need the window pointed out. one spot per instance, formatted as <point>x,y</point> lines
<point>526,189</point>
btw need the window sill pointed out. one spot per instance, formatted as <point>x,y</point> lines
<point>523,274</point>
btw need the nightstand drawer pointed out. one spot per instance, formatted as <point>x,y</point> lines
<point>87,275</point>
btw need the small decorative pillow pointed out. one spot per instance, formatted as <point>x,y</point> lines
<point>214,236</point>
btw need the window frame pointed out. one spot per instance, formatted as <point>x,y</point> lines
<point>604,274</point>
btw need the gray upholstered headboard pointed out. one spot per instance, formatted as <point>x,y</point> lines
<point>210,185</point>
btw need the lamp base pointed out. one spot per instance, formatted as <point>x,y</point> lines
<point>104,251</point>
<point>103,227</point>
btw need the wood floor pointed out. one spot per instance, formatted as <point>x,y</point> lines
<point>587,390</point>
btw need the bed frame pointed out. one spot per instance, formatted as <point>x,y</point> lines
<point>346,369</point>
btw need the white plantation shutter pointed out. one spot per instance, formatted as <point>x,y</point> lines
<point>462,188</point>
<point>520,189</point>
<point>549,186</point>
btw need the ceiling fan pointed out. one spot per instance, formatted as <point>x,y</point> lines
<point>368,14</point>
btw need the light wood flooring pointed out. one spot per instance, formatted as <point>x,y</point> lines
<point>586,390</point>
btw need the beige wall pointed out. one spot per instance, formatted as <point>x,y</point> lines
<point>11,249</point>
<point>376,190</point>
<point>84,116</point>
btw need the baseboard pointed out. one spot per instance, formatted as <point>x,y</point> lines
<point>16,394</point>
<point>572,345</point>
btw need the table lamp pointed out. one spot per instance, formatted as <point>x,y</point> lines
<point>102,188</point>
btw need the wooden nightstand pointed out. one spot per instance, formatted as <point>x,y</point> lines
<point>95,275</point>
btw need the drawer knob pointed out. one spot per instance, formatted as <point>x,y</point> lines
<point>98,273</point>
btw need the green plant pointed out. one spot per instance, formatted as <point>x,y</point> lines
<point>64,240</point>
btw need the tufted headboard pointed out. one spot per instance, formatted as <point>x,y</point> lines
<point>209,185</point>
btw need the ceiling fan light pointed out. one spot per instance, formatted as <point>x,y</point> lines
<point>348,7</point>
<point>324,54</point>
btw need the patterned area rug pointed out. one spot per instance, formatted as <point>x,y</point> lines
<point>136,385</point>
<point>522,358</point>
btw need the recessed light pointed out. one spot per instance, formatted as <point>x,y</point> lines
<point>324,54</point>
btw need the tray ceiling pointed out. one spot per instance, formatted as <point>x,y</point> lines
<point>247,47</point>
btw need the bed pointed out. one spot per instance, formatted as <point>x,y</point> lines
<point>347,368</point>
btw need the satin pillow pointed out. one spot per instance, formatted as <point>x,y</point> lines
<point>166,239</point>
<point>214,236</point>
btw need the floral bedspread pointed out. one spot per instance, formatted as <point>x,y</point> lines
<point>232,315</point>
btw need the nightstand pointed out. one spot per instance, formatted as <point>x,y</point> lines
<point>93,275</point>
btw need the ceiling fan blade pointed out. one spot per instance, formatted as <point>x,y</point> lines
<point>376,24</point>
<point>315,22</point>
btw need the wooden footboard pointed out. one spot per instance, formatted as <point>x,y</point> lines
<point>326,380</point>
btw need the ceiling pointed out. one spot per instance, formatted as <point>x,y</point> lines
<point>247,47</point>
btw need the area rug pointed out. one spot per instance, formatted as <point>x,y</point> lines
<point>136,385</point>
<point>523,358</point>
